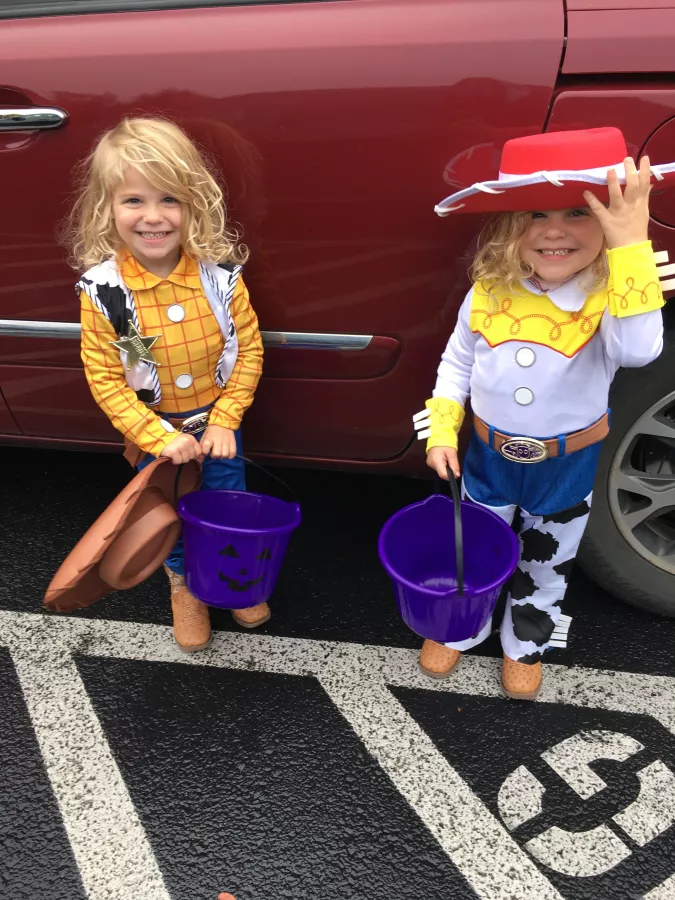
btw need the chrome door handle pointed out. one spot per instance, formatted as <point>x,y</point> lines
<point>34,118</point>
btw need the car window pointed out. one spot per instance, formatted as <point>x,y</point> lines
<point>19,9</point>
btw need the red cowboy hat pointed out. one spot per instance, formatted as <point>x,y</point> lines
<point>128,541</point>
<point>550,171</point>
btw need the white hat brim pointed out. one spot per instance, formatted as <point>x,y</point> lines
<point>506,182</point>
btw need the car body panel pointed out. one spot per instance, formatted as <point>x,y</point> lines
<point>640,112</point>
<point>337,126</point>
<point>641,38</point>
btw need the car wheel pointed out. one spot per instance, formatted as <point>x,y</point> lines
<point>629,545</point>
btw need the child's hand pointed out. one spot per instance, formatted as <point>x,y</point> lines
<point>219,442</point>
<point>182,449</point>
<point>439,458</point>
<point>626,221</point>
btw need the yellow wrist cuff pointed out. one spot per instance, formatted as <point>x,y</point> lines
<point>633,281</point>
<point>442,422</point>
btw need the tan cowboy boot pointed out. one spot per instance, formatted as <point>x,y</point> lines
<point>191,623</point>
<point>253,616</point>
<point>436,660</point>
<point>519,680</point>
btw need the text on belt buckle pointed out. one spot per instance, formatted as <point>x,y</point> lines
<point>193,424</point>
<point>524,450</point>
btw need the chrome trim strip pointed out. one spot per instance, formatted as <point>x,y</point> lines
<point>316,340</point>
<point>288,339</point>
<point>22,9</point>
<point>37,118</point>
<point>23,328</point>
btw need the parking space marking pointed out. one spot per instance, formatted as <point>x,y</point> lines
<point>356,677</point>
<point>579,853</point>
<point>520,798</point>
<point>653,812</point>
<point>665,891</point>
<point>570,758</point>
<point>109,844</point>
<point>492,863</point>
<point>590,853</point>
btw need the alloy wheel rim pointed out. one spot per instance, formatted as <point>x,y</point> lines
<point>642,485</point>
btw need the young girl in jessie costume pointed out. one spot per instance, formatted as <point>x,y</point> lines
<point>170,343</point>
<point>565,290</point>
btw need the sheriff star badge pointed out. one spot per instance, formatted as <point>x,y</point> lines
<point>137,346</point>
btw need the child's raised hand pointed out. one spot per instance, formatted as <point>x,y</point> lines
<point>218,442</point>
<point>626,220</point>
<point>439,458</point>
<point>182,449</point>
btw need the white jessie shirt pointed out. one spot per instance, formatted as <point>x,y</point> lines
<point>534,390</point>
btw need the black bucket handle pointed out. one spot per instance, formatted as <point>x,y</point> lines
<point>459,534</point>
<point>248,462</point>
<point>269,474</point>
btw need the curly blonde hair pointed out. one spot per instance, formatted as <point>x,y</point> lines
<point>498,261</point>
<point>165,155</point>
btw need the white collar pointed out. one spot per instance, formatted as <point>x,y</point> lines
<point>569,296</point>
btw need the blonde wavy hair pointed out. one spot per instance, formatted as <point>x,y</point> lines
<point>165,155</point>
<point>498,262</point>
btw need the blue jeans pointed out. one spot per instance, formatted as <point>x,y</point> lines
<point>547,487</point>
<point>217,475</point>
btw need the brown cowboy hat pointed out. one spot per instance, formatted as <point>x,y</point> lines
<point>128,541</point>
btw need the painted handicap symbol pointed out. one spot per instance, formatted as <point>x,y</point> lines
<point>587,853</point>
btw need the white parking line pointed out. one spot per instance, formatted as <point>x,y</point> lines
<point>570,758</point>
<point>356,678</point>
<point>110,847</point>
<point>665,891</point>
<point>490,860</point>
<point>581,853</point>
<point>520,798</point>
<point>654,810</point>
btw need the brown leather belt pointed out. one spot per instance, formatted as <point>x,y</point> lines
<point>533,450</point>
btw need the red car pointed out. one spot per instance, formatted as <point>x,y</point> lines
<point>337,126</point>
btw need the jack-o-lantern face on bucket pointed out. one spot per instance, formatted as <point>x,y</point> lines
<point>237,581</point>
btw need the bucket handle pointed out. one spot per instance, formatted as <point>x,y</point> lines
<point>276,478</point>
<point>459,534</point>
<point>249,462</point>
<point>176,485</point>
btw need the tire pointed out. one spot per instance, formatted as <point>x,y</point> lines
<point>629,545</point>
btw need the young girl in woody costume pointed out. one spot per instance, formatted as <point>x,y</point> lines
<point>565,290</point>
<point>170,343</point>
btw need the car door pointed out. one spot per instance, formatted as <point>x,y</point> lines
<point>336,126</point>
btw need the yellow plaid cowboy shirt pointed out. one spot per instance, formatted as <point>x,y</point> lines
<point>190,347</point>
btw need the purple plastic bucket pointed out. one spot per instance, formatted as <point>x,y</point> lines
<point>417,549</point>
<point>235,543</point>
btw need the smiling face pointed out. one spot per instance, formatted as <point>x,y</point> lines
<point>242,582</point>
<point>148,222</point>
<point>560,243</point>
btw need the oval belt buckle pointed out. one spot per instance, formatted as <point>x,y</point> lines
<point>195,423</point>
<point>524,450</point>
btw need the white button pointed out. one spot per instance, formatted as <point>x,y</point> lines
<point>525,357</point>
<point>176,313</point>
<point>183,381</point>
<point>524,396</point>
<point>167,426</point>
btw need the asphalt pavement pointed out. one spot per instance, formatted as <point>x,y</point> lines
<point>309,760</point>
